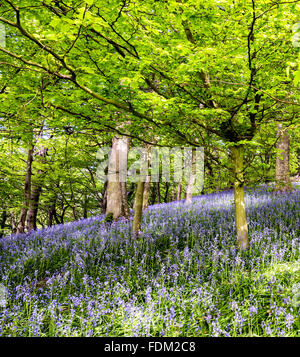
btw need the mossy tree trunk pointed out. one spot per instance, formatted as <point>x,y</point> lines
<point>146,192</point>
<point>138,207</point>
<point>237,153</point>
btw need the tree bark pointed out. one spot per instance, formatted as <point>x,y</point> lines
<point>85,206</point>
<point>35,194</point>
<point>158,192</point>
<point>51,213</point>
<point>139,196</point>
<point>3,222</point>
<point>178,193</point>
<point>191,180</point>
<point>125,207</point>
<point>237,153</point>
<point>33,207</point>
<point>104,201</point>
<point>153,195</point>
<point>116,201</point>
<point>282,169</point>
<point>13,223</point>
<point>146,192</point>
<point>27,192</point>
<point>138,207</point>
<point>147,184</point>
<point>167,192</point>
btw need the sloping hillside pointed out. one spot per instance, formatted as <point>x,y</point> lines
<point>182,277</point>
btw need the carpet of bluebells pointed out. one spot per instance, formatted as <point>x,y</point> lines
<point>182,277</point>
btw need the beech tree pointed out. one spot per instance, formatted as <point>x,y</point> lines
<point>178,68</point>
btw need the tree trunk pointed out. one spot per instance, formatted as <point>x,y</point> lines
<point>147,184</point>
<point>104,201</point>
<point>178,193</point>
<point>237,153</point>
<point>27,192</point>
<point>189,190</point>
<point>13,223</point>
<point>138,207</point>
<point>191,180</point>
<point>158,192</point>
<point>35,194</point>
<point>51,213</point>
<point>146,192</point>
<point>60,218</point>
<point>282,170</point>
<point>74,209</point>
<point>153,195</point>
<point>117,170</point>
<point>85,207</point>
<point>3,222</point>
<point>139,196</point>
<point>167,192</point>
<point>33,207</point>
<point>125,207</point>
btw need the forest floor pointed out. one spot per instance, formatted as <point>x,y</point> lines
<point>182,277</point>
